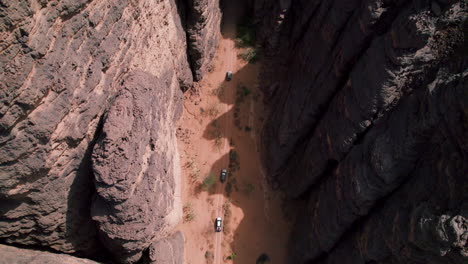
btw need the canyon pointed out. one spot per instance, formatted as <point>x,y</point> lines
<point>364,131</point>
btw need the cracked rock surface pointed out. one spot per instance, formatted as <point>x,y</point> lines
<point>13,255</point>
<point>368,123</point>
<point>90,91</point>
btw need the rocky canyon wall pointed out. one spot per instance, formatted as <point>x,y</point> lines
<point>90,91</point>
<point>202,20</point>
<point>368,127</point>
<point>27,256</point>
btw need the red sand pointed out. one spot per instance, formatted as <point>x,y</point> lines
<point>257,224</point>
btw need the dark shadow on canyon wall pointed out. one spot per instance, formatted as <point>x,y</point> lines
<point>78,218</point>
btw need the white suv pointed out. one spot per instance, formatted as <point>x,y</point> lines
<point>218,224</point>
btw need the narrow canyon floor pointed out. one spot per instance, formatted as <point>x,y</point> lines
<point>219,129</point>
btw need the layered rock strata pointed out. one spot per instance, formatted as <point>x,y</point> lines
<point>368,96</point>
<point>203,22</point>
<point>90,91</point>
<point>13,255</point>
<point>136,166</point>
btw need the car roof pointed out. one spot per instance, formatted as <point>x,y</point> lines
<point>219,218</point>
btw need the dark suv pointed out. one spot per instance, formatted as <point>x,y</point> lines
<point>228,75</point>
<point>223,175</point>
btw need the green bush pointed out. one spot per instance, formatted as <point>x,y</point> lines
<point>246,91</point>
<point>209,181</point>
<point>232,256</point>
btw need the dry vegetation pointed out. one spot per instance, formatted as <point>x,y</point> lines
<point>245,40</point>
<point>248,188</point>
<point>209,256</point>
<point>227,217</point>
<point>249,54</point>
<point>218,91</point>
<point>212,111</point>
<point>189,214</point>
<point>215,133</point>
<point>234,162</point>
<point>194,171</point>
<point>241,93</point>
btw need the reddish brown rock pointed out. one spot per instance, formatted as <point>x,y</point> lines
<point>203,21</point>
<point>12,255</point>
<point>63,66</point>
<point>136,166</point>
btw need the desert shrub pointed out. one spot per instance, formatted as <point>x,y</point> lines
<point>212,111</point>
<point>195,174</point>
<point>245,91</point>
<point>248,188</point>
<point>208,182</point>
<point>209,256</point>
<point>233,156</point>
<point>194,171</point>
<point>227,217</point>
<point>228,189</point>
<point>249,54</point>
<point>234,163</point>
<point>262,259</point>
<point>214,132</point>
<point>218,91</point>
<point>242,92</point>
<point>232,256</point>
<point>245,35</point>
<point>190,163</point>
<point>189,214</point>
<point>231,185</point>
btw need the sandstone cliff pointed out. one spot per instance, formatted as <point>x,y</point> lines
<point>89,94</point>
<point>202,22</point>
<point>368,127</point>
<point>12,255</point>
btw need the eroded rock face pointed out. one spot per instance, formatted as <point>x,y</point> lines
<point>203,21</point>
<point>367,101</point>
<point>136,166</point>
<point>13,255</point>
<point>67,70</point>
